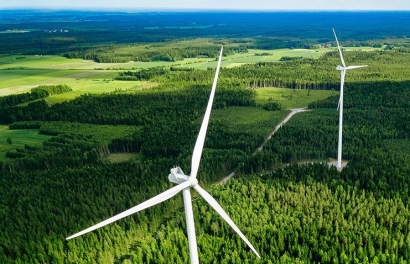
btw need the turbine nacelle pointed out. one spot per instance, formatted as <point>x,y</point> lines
<point>340,68</point>
<point>177,176</point>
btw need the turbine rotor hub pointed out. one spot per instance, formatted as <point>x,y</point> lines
<point>193,181</point>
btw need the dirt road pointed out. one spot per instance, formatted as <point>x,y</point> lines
<point>286,119</point>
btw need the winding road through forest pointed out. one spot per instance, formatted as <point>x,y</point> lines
<point>286,119</point>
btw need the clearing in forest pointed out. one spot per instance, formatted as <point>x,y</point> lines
<point>291,98</point>
<point>18,138</point>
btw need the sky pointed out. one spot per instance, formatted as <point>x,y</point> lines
<point>210,4</point>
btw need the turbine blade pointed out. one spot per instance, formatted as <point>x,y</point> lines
<point>153,201</point>
<point>355,67</point>
<point>340,51</point>
<point>224,215</point>
<point>196,156</point>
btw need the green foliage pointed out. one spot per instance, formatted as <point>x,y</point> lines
<point>73,144</point>
<point>151,111</point>
<point>16,99</point>
<point>10,139</point>
<point>289,98</point>
<point>276,212</point>
<point>300,73</point>
<point>12,112</point>
<point>145,53</point>
<point>287,58</point>
<point>399,146</point>
<point>33,111</point>
<point>51,89</point>
<point>65,33</point>
<point>241,128</point>
<point>142,75</point>
<point>298,214</point>
<point>272,106</point>
<point>292,213</point>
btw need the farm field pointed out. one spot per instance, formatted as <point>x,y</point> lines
<point>97,86</point>
<point>19,138</point>
<point>21,73</point>
<point>255,55</point>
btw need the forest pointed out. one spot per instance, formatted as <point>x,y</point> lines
<point>98,35</point>
<point>291,205</point>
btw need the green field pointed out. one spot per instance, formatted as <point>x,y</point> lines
<point>97,86</point>
<point>121,157</point>
<point>17,76</point>
<point>249,119</point>
<point>19,138</point>
<point>254,56</point>
<point>20,73</point>
<point>55,63</point>
<point>290,98</point>
<point>36,62</point>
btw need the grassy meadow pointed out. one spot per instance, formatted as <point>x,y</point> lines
<point>121,157</point>
<point>290,98</point>
<point>19,138</point>
<point>249,119</point>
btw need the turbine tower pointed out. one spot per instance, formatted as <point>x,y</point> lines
<point>185,183</point>
<point>342,70</point>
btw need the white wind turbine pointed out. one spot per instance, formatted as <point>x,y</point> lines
<point>185,183</point>
<point>342,70</point>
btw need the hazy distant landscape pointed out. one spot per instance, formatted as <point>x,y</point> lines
<point>96,107</point>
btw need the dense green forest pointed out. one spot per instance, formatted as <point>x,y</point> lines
<point>111,55</point>
<point>300,213</point>
<point>292,206</point>
<point>298,73</point>
<point>39,92</point>
<point>98,35</point>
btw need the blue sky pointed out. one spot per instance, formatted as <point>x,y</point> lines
<point>212,4</point>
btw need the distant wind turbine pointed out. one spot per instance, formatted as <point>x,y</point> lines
<point>342,70</point>
<point>185,183</point>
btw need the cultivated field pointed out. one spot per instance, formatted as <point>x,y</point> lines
<point>20,73</point>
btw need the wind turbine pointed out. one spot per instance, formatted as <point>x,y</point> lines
<point>185,183</point>
<point>342,70</point>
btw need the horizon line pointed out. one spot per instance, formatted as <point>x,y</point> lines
<point>130,10</point>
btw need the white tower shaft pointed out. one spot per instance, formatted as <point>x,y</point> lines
<point>339,148</point>
<point>190,224</point>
